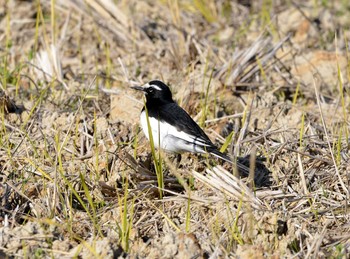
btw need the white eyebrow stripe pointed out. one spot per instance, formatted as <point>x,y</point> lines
<point>156,87</point>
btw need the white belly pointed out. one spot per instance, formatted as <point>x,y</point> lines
<point>168,138</point>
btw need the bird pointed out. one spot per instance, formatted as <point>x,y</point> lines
<point>173,129</point>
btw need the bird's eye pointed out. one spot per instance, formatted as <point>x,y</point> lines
<point>150,90</point>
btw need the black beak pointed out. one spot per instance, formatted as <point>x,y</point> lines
<point>139,88</point>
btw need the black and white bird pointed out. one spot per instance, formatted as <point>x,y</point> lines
<point>173,130</point>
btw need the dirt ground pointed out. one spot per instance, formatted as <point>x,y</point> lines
<point>267,80</point>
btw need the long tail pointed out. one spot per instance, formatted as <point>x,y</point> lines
<point>226,158</point>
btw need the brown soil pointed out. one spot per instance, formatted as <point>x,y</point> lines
<point>77,177</point>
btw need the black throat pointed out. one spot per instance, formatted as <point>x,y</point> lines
<point>154,105</point>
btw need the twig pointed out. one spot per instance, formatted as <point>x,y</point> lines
<point>302,175</point>
<point>329,144</point>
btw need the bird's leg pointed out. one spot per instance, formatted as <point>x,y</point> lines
<point>178,160</point>
<point>148,162</point>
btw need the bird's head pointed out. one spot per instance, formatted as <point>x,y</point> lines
<point>155,90</point>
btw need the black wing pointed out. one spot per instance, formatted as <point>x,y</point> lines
<point>175,115</point>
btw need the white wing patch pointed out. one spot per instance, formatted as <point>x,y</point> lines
<point>170,138</point>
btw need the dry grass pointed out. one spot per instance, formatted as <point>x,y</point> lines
<point>77,178</point>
